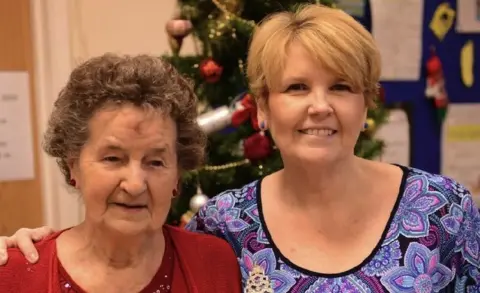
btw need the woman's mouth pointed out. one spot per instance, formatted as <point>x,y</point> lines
<point>318,132</point>
<point>132,207</point>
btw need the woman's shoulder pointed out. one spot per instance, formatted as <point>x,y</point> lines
<point>443,188</point>
<point>234,196</point>
<point>18,274</point>
<point>226,210</point>
<point>210,260</point>
<point>440,203</point>
<point>44,247</point>
<point>195,240</point>
<point>194,244</point>
<point>436,194</point>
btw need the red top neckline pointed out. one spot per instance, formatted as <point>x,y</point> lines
<point>161,282</point>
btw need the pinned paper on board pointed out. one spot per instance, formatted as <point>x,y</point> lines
<point>395,133</point>
<point>442,20</point>
<point>397,26</point>
<point>468,16</point>
<point>461,145</point>
<point>16,136</point>
<point>466,63</point>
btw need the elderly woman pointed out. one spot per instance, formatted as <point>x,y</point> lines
<point>330,221</point>
<point>123,130</point>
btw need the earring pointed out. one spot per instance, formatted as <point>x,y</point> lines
<point>72,182</point>
<point>262,125</point>
<point>365,126</point>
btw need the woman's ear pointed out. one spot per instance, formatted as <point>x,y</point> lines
<point>73,167</point>
<point>262,110</point>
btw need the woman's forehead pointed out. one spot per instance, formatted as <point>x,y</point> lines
<point>130,121</point>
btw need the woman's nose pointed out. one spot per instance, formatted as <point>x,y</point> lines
<point>134,181</point>
<point>319,104</point>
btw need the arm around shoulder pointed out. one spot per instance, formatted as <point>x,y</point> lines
<point>18,275</point>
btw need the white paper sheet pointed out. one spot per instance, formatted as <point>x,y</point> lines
<point>461,146</point>
<point>396,135</point>
<point>468,16</point>
<point>397,29</point>
<point>16,141</point>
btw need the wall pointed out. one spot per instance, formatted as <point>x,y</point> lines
<point>79,30</point>
<point>20,200</point>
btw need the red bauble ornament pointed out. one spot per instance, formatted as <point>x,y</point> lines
<point>210,70</point>
<point>257,147</point>
<point>248,109</point>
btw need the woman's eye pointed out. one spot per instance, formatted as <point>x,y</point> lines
<point>297,87</point>
<point>157,163</point>
<point>341,87</point>
<point>111,159</point>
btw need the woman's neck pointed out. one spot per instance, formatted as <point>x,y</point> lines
<point>320,185</point>
<point>113,249</point>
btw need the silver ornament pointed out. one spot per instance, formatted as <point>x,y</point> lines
<point>216,119</point>
<point>198,201</point>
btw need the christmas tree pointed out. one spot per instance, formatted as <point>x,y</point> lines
<point>238,152</point>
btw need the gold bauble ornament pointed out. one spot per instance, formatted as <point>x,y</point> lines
<point>370,124</point>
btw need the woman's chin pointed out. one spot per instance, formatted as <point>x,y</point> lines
<point>317,156</point>
<point>129,228</point>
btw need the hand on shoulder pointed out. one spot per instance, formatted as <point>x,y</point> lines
<point>23,240</point>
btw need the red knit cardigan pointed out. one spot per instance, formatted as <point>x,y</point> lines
<point>204,263</point>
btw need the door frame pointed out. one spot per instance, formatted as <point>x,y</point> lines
<point>53,63</point>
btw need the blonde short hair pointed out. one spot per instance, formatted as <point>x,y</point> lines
<point>340,44</point>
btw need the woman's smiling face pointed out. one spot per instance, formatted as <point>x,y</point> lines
<point>313,115</point>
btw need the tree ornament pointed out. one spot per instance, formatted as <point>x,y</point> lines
<point>198,200</point>
<point>177,30</point>
<point>210,70</point>
<point>435,88</point>
<point>257,147</point>
<point>215,120</point>
<point>246,109</point>
<point>370,125</point>
<point>178,27</point>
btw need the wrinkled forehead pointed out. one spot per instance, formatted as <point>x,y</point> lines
<point>130,120</point>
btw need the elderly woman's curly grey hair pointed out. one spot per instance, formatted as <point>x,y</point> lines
<point>112,80</point>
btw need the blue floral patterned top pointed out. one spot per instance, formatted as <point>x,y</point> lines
<point>431,244</point>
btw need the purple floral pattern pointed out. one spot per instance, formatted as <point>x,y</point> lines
<point>418,203</point>
<point>252,212</point>
<point>405,260</point>
<point>387,257</point>
<point>422,273</point>
<point>463,221</point>
<point>348,284</point>
<point>224,215</point>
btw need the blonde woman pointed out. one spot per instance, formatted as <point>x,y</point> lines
<point>330,221</point>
